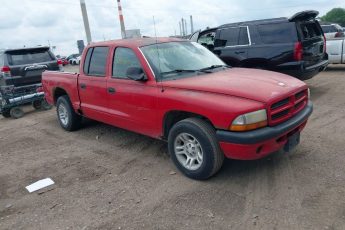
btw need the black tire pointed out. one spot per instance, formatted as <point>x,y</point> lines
<point>6,113</point>
<point>204,133</point>
<point>16,112</point>
<point>73,120</point>
<point>37,104</point>
<point>45,105</point>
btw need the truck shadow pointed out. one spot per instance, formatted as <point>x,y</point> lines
<point>234,169</point>
<point>336,68</point>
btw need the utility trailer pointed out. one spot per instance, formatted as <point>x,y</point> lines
<point>13,98</point>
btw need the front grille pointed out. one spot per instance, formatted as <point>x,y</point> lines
<point>286,108</point>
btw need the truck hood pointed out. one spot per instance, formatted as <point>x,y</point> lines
<point>253,84</point>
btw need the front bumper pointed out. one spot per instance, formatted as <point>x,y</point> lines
<point>262,142</point>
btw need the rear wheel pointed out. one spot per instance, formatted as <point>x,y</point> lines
<point>16,112</point>
<point>37,104</point>
<point>68,119</point>
<point>45,105</point>
<point>6,113</point>
<point>194,148</point>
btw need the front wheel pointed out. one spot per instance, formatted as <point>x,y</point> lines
<point>194,148</point>
<point>68,118</point>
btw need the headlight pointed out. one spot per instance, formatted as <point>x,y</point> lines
<point>250,121</point>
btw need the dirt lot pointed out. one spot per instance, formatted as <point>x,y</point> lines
<point>108,178</point>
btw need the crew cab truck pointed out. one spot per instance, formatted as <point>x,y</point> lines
<point>179,91</point>
<point>336,50</point>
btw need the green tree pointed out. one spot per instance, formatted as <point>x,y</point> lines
<point>336,15</point>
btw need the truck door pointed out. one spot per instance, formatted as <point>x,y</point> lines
<point>131,103</point>
<point>92,83</point>
<point>231,44</point>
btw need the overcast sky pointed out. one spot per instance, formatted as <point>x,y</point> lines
<point>35,22</point>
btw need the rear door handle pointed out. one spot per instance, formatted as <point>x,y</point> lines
<point>239,52</point>
<point>82,86</point>
<point>111,90</point>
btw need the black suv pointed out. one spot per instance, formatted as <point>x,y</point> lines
<point>294,46</point>
<point>21,67</point>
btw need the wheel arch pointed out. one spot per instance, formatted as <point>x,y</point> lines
<point>172,117</point>
<point>58,92</point>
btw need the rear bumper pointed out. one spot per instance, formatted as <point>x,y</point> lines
<point>20,81</point>
<point>302,72</point>
<point>262,142</point>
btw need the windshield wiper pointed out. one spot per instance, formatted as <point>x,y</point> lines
<point>213,67</point>
<point>180,71</point>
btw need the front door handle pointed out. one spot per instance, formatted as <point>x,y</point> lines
<point>111,90</point>
<point>239,52</point>
<point>82,86</point>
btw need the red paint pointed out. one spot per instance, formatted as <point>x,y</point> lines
<point>141,106</point>
<point>258,150</point>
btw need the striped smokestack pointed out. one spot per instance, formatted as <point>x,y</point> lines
<point>122,23</point>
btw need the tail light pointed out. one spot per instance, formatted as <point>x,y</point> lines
<point>339,35</point>
<point>6,71</point>
<point>60,63</point>
<point>324,45</point>
<point>298,51</point>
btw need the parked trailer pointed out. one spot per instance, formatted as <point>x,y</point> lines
<point>12,98</point>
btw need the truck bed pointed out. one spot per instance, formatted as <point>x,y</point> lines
<point>336,51</point>
<point>51,80</point>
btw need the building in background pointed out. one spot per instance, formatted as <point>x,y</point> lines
<point>81,46</point>
<point>135,33</point>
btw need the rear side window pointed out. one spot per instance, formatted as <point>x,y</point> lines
<point>232,37</point>
<point>87,61</point>
<point>329,29</point>
<point>123,59</point>
<point>95,61</point>
<point>22,57</point>
<point>277,33</point>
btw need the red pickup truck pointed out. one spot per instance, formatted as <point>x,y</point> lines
<point>179,91</point>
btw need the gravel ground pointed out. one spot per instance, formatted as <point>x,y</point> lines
<point>109,178</point>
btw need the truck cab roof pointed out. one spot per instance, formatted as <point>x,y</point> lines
<point>136,42</point>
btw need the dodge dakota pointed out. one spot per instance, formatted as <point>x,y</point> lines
<point>179,91</point>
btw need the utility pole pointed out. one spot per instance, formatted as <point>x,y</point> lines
<point>185,27</point>
<point>122,23</point>
<point>86,21</point>
<point>183,31</point>
<point>191,25</point>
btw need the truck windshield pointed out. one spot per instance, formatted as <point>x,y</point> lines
<point>180,59</point>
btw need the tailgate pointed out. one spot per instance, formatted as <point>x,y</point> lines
<point>311,36</point>
<point>27,65</point>
<point>313,42</point>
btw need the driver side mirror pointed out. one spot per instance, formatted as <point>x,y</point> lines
<point>136,74</point>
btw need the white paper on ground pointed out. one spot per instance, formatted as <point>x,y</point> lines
<point>39,184</point>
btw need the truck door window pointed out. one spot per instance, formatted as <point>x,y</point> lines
<point>243,38</point>
<point>207,40</point>
<point>123,59</point>
<point>228,37</point>
<point>234,36</point>
<point>98,61</point>
<point>87,61</point>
